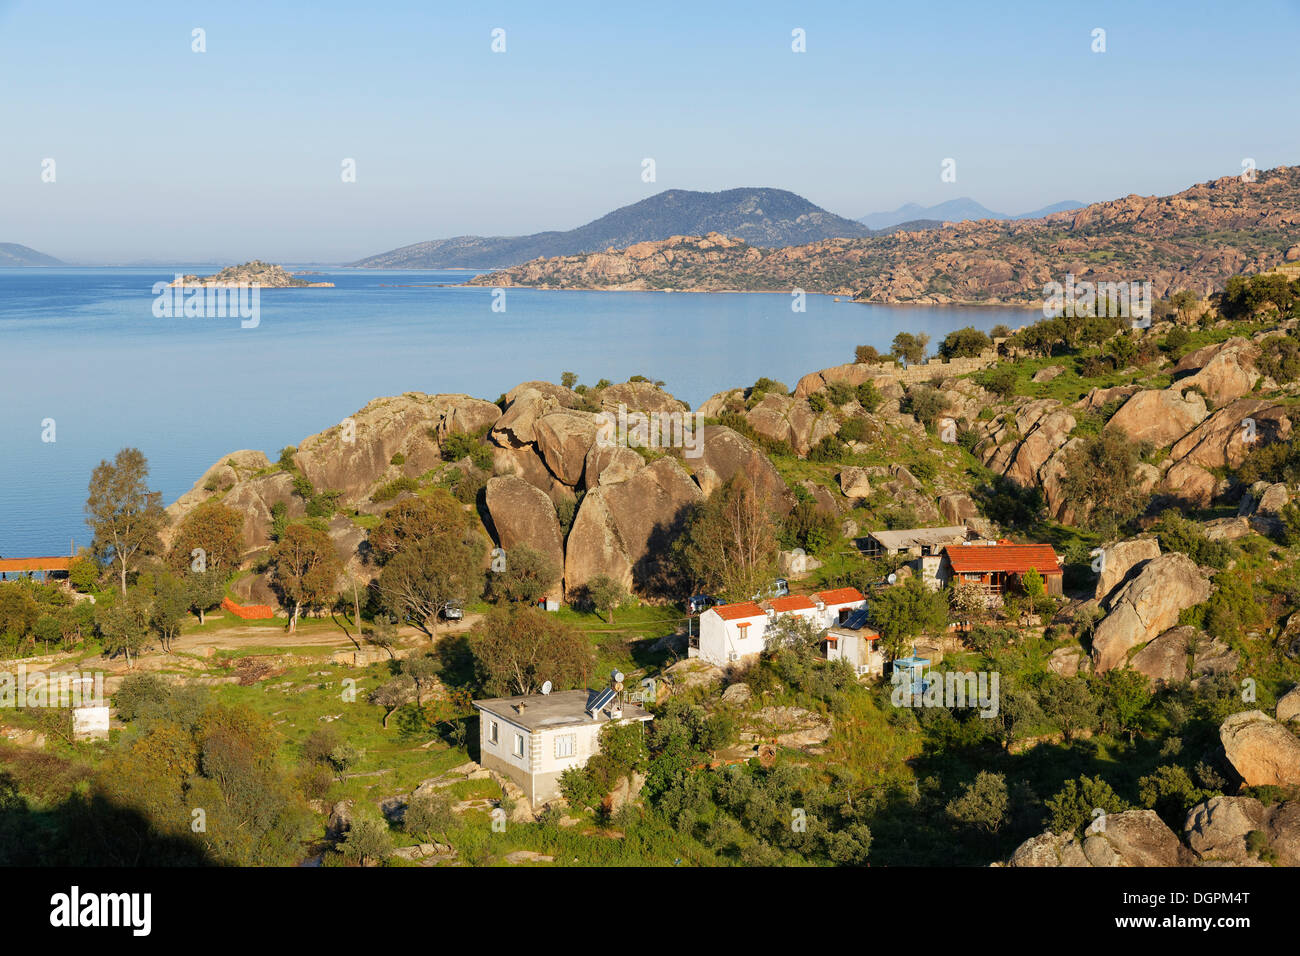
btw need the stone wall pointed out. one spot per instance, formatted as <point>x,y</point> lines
<point>936,367</point>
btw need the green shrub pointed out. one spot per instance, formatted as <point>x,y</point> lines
<point>869,396</point>
<point>459,445</point>
<point>390,490</point>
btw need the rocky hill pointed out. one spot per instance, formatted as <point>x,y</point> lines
<point>764,217</point>
<point>14,256</point>
<point>614,510</point>
<point>1193,240</point>
<point>255,272</point>
<point>954,210</point>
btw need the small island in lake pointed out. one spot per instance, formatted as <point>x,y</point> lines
<point>256,272</point>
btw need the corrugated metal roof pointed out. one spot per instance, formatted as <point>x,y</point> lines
<point>906,538</point>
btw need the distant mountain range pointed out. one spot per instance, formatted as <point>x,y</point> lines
<point>14,256</point>
<point>768,218</point>
<point>964,209</point>
<point>1195,240</point>
<point>771,218</point>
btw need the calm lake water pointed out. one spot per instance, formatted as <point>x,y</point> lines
<point>83,347</point>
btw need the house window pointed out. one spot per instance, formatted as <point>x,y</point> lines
<point>494,731</point>
<point>565,745</point>
<point>519,745</point>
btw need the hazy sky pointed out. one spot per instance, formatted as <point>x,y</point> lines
<point>166,154</point>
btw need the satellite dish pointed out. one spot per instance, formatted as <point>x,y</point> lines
<point>546,688</point>
<point>892,578</point>
<point>618,677</point>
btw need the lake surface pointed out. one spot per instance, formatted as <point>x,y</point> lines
<point>84,348</point>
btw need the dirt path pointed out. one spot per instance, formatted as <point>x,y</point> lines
<point>235,636</point>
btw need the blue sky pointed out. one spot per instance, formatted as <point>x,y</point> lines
<point>166,154</point>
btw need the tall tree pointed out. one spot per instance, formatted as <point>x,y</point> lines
<point>909,347</point>
<point>204,591</point>
<point>606,595</point>
<point>729,544</point>
<point>433,556</point>
<point>517,649</point>
<point>529,574</point>
<point>214,530</point>
<point>1101,476</point>
<point>906,610</point>
<point>124,515</point>
<point>171,601</point>
<point>124,625</point>
<point>306,568</point>
<point>435,515</point>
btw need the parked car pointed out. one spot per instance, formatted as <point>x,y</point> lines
<point>700,603</point>
<point>454,611</point>
<point>778,588</point>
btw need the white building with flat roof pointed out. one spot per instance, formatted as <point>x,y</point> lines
<point>533,739</point>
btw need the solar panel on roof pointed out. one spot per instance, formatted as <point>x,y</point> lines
<point>857,620</point>
<point>601,699</point>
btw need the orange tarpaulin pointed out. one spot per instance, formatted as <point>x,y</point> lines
<point>34,564</point>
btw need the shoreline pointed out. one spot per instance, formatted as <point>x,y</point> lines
<point>847,299</point>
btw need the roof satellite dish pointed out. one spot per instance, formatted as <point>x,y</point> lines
<point>546,688</point>
<point>892,578</point>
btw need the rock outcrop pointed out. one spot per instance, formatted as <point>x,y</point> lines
<point>1228,374</point>
<point>1130,838</point>
<point>356,455</point>
<point>1160,417</point>
<point>623,529</point>
<point>1288,705</point>
<point>563,439</point>
<point>1261,750</point>
<point>1216,829</point>
<point>1165,658</point>
<point>1122,560</point>
<point>1147,606</point>
<point>725,453</point>
<point>523,514</point>
<point>1228,435</point>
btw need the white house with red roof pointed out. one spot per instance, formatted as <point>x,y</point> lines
<point>730,633</point>
<point>838,603</point>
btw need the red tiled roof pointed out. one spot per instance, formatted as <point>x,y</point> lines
<point>34,564</point>
<point>1011,558</point>
<point>840,596</point>
<point>734,612</point>
<point>792,602</point>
